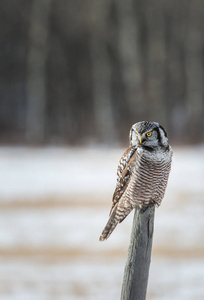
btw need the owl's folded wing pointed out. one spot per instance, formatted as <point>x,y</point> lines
<point>123,174</point>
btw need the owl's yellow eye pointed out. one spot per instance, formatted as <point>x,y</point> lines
<point>149,134</point>
<point>136,134</point>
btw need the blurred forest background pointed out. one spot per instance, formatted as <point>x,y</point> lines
<point>80,72</point>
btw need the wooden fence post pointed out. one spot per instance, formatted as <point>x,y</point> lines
<point>139,255</point>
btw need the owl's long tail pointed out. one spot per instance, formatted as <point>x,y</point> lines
<point>117,216</point>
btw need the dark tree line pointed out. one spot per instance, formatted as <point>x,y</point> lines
<point>82,71</point>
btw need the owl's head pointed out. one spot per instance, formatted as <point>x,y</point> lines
<point>148,134</point>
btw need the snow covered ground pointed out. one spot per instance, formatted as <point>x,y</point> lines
<point>54,204</point>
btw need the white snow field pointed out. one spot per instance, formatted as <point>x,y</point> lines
<point>54,204</point>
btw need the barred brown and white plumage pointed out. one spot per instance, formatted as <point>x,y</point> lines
<point>142,173</point>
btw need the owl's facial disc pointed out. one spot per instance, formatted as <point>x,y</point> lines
<point>148,134</point>
<point>149,138</point>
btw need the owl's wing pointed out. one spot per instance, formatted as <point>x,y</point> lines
<point>123,174</point>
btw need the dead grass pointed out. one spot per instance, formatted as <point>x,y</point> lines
<point>79,289</point>
<point>52,201</point>
<point>58,253</point>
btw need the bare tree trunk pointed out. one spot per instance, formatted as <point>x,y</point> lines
<point>36,63</point>
<point>156,56</point>
<point>128,48</point>
<point>103,113</point>
<point>194,68</point>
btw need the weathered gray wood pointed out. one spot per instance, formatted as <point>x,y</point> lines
<point>139,255</point>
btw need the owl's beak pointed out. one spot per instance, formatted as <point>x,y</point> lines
<point>140,140</point>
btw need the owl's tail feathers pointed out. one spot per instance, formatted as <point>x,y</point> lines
<point>118,215</point>
<point>110,226</point>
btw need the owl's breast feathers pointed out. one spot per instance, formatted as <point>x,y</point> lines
<point>142,177</point>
